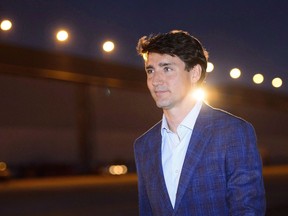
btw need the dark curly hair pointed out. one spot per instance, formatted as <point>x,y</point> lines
<point>176,43</point>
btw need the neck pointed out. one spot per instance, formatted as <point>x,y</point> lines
<point>175,116</point>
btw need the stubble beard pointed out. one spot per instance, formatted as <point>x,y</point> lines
<point>162,103</point>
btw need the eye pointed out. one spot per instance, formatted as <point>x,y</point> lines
<point>149,71</point>
<point>167,69</point>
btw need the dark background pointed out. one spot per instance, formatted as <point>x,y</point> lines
<point>250,35</point>
<point>68,111</point>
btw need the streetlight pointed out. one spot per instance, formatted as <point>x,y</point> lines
<point>235,73</point>
<point>258,78</point>
<point>6,25</point>
<point>210,67</point>
<point>108,46</point>
<point>277,82</point>
<point>62,35</point>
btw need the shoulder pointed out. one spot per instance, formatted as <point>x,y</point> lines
<point>222,117</point>
<point>225,123</point>
<point>153,132</point>
<point>231,133</point>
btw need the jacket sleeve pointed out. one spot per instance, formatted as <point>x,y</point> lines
<point>246,194</point>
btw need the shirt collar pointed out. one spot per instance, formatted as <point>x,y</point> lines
<point>188,121</point>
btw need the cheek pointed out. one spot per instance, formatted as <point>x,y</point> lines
<point>174,83</point>
<point>149,84</point>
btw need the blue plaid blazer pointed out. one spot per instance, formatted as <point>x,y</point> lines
<point>221,174</point>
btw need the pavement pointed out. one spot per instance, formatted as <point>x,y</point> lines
<point>106,195</point>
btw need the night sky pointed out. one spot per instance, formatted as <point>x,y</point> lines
<point>250,35</point>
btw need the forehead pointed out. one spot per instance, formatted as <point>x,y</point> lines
<point>154,59</point>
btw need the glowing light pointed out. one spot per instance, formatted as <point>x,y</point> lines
<point>62,35</point>
<point>145,56</point>
<point>199,94</point>
<point>6,25</point>
<point>3,166</point>
<point>258,78</point>
<point>118,169</point>
<point>277,82</point>
<point>235,73</point>
<point>108,46</point>
<point>210,67</point>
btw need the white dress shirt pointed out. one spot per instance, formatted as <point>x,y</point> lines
<point>174,147</point>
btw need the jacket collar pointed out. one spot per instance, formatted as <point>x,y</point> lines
<point>199,139</point>
<point>157,171</point>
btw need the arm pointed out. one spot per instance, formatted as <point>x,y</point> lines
<point>246,195</point>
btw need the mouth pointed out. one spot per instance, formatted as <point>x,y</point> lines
<point>160,92</point>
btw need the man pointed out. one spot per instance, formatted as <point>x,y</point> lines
<point>198,160</point>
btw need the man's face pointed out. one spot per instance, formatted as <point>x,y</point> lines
<point>169,83</point>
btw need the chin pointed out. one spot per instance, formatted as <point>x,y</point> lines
<point>162,105</point>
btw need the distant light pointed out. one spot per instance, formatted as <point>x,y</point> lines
<point>6,25</point>
<point>235,73</point>
<point>108,46</point>
<point>3,166</point>
<point>107,92</point>
<point>62,35</point>
<point>118,169</point>
<point>277,82</point>
<point>199,94</point>
<point>210,67</point>
<point>258,78</point>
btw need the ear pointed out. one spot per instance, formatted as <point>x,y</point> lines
<point>195,73</point>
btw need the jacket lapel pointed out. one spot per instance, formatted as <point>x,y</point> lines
<point>157,176</point>
<point>199,139</point>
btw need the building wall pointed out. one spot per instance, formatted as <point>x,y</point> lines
<point>40,122</point>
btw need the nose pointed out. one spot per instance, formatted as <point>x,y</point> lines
<point>157,79</point>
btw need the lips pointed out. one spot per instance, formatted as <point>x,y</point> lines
<point>160,92</point>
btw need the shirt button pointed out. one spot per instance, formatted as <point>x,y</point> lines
<point>177,171</point>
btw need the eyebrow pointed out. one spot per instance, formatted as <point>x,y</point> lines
<point>165,64</point>
<point>160,64</point>
<point>149,67</point>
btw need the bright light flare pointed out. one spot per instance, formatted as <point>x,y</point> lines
<point>235,73</point>
<point>118,169</point>
<point>62,35</point>
<point>108,46</point>
<point>6,25</point>
<point>258,78</point>
<point>277,82</point>
<point>210,67</point>
<point>199,94</point>
<point>145,56</point>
